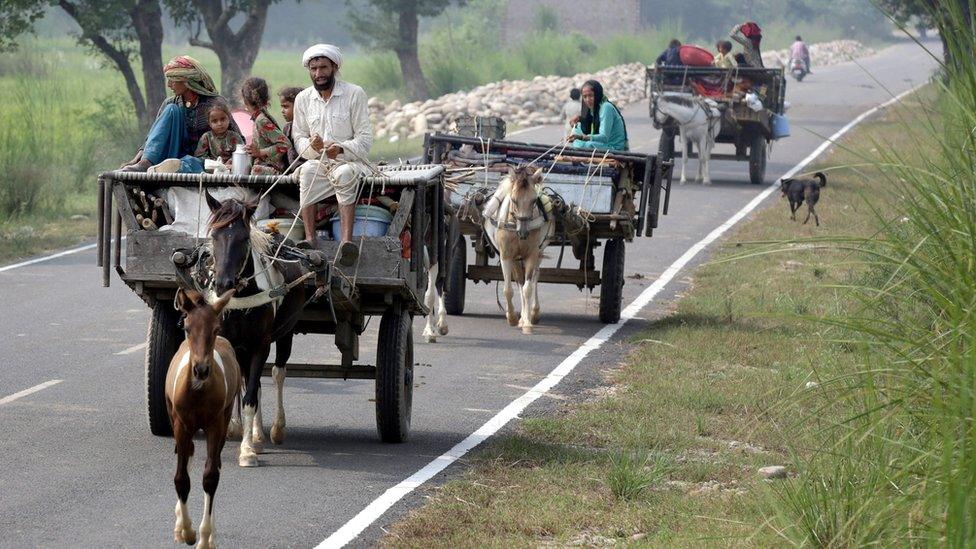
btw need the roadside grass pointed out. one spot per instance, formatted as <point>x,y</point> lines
<point>743,373</point>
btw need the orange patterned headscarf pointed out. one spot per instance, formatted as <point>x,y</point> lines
<point>184,68</point>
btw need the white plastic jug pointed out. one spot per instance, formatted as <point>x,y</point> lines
<point>241,161</point>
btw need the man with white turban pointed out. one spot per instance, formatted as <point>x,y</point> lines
<point>331,129</point>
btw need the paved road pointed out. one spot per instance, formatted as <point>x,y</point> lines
<point>80,469</point>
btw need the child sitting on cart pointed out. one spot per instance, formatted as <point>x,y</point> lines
<point>269,145</point>
<point>219,143</point>
<point>287,99</point>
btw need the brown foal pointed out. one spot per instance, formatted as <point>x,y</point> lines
<point>202,385</point>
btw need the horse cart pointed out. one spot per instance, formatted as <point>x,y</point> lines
<point>597,196</point>
<point>389,281</point>
<point>750,100</point>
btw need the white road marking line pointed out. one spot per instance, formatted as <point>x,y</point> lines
<point>32,390</point>
<point>47,257</point>
<point>132,349</point>
<point>349,531</point>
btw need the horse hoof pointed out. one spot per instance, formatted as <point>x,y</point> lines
<point>205,544</point>
<point>188,537</point>
<point>535,318</point>
<point>527,330</point>
<point>513,322</point>
<point>278,434</point>
<point>430,338</point>
<point>247,460</point>
<point>443,330</point>
<point>234,429</point>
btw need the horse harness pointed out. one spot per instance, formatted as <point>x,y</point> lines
<point>194,268</point>
<point>537,218</point>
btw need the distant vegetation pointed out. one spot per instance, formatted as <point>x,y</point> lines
<point>66,115</point>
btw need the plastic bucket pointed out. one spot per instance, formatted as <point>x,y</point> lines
<point>290,227</point>
<point>693,56</point>
<point>780,126</point>
<point>370,221</point>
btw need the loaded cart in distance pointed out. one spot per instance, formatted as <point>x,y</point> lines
<point>751,102</point>
<point>597,197</point>
<point>389,281</point>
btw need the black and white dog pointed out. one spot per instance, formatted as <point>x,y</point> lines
<point>798,190</point>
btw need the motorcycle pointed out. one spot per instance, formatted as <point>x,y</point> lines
<point>798,69</point>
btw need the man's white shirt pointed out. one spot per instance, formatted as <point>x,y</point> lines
<point>344,118</point>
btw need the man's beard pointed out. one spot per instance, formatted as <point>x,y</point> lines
<point>324,87</point>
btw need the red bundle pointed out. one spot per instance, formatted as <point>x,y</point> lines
<point>693,56</point>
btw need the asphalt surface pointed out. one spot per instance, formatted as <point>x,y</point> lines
<point>80,469</point>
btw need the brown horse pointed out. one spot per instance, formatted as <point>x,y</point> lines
<point>241,260</point>
<point>202,385</point>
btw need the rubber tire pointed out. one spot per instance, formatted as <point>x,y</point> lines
<point>163,340</point>
<point>456,281</point>
<point>757,160</point>
<point>612,281</point>
<point>394,375</point>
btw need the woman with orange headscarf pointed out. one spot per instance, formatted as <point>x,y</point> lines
<point>181,121</point>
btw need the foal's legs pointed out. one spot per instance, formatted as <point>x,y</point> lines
<point>216,435</point>
<point>183,530</point>
<point>508,266</point>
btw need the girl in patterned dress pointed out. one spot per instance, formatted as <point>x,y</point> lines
<point>219,143</point>
<point>269,145</point>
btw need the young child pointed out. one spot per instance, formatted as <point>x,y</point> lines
<point>287,99</point>
<point>724,59</point>
<point>268,146</point>
<point>218,143</point>
<point>571,110</point>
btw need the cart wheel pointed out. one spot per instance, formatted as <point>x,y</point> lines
<point>665,146</point>
<point>457,266</point>
<point>394,375</point>
<point>757,160</point>
<point>161,344</point>
<point>612,283</point>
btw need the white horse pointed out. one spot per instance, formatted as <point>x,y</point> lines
<point>518,225</point>
<point>699,121</point>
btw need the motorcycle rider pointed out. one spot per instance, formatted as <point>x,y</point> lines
<point>800,51</point>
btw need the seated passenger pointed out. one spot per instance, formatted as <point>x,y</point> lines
<point>269,145</point>
<point>601,125</point>
<point>750,36</point>
<point>181,121</point>
<point>286,97</point>
<point>219,143</point>
<point>670,57</point>
<point>724,59</point>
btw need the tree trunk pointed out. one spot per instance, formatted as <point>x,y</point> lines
<point>406,52</point>
<point>147,18</point>
<point>236,51</point>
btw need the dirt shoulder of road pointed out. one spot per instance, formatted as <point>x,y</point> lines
<point>670,451</point>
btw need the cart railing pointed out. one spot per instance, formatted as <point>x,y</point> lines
<point>648,169</point>
<point>661,79</point>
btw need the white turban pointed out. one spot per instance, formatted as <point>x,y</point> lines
<point>322,50</point>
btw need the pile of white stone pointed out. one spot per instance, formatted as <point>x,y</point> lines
<point>539,101</point>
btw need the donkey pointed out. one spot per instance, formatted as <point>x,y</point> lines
<point>239,250</point>
<point>518,225</point>
<point>202,385</point>
<point>699,121</point>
